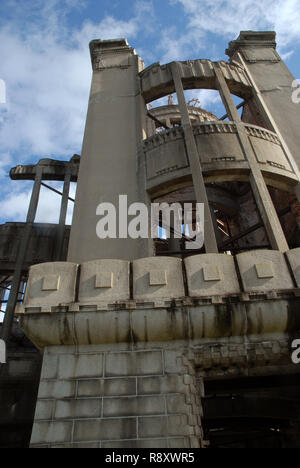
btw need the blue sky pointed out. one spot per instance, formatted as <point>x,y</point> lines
<point>44,61</point>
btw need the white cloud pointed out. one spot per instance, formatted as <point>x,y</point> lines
<point>15,205</point>
<point>208,19</point>
<point>228,17</point>
<point>5,163</point>
<point>47,71</point>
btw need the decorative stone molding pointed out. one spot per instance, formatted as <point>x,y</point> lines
<point>157,278</point>
<point>159,309</point>
<point>211,274</point>
<point>262,133</point>
<point>264,270</point>
<point>102,53</point>
<point>158,281</point>
<point>156,80</point>
<point>104,281</point>
<point>217,360</point>
<point>218,144</point>
<point>51,284</point>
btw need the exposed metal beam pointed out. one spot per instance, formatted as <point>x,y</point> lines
<point>250,230</point>
<point>16,281</point>
<point>56,191</point>
<point>161,124</point>
<point>241,104</point>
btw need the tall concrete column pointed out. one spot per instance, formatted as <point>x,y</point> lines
<point>108,165</point>
<point>210,241</point>
<point>272,89</point>
<point>260,190</point>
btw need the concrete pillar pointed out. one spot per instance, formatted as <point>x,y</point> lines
<point>273,83</point>
<point>260,190</point>
<point>273,89</point>
<point>108,168</point>
<point>194,159</point>
<point>63,215</point>
<point>14,291</point>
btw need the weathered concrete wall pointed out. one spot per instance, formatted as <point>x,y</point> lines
<point>122,373</point>
<point>41,245</point>
<point>273,80</point>
<point>108,396</point>
<point>108,164</point>
<point>221,156</point>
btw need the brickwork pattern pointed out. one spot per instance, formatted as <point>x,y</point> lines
<point>223,360</point>
<point>133,399</point>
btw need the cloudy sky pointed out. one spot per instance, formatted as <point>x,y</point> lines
<point>45,64</point>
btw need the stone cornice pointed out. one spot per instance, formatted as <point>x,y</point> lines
<point>100,49</point>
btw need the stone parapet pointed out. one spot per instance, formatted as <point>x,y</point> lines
<point>156,80</point>
<point>106,283</point>
<point>161,299</point>
<point>220,153</point>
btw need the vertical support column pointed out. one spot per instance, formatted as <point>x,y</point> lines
<point>14,292</point>
<point>63,215</point>
<point>261,105</point>
<point>210,241</point>
<point>272,82</point>
<point>109,161</point>
<point>260,190</point>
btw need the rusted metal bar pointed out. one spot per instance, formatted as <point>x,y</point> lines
<point>16,281</point>
<point>161,124</point>
<point>56,191</point>
<point>241,104</point>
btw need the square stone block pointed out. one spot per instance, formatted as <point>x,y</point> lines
<point>264,270</point>
<point>157,278</point>
<point>105,429</point>
<point>103,281</point>
<point>80,366</point>
<point>133,363</point>
<point>133,406</point>
<point>51,284</point>
<point>211,275</point>
<point>51,432</point>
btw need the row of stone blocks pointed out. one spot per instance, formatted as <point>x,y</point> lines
<point>159,278</point>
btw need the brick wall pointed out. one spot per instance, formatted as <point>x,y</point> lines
<point>92,397</point>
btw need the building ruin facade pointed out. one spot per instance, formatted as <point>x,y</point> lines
<point>147,343</point>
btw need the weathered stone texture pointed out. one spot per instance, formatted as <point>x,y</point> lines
<point>144,398</point>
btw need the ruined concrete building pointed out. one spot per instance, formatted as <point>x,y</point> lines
<point>150,343</point>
